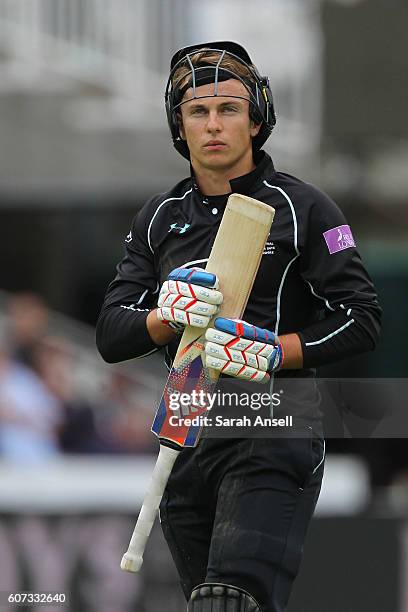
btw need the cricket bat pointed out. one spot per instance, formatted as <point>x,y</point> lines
<point>235,257</point>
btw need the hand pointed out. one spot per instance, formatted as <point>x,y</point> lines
<point>189,296</point>
<point>242,350</point>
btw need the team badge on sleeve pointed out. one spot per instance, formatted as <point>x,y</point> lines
<point>339,238</point>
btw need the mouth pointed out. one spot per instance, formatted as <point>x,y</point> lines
<point>214,145</point>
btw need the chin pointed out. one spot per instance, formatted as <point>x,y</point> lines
<point>216,159</point>
<point>216,164</point>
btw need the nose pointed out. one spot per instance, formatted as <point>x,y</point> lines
<point>213,122</point>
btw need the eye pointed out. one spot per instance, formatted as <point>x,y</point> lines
<point>230,109</point>
<point>197,111</point>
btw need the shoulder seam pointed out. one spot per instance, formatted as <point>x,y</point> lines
<point>292,208</point>
<point>295,244</point>
<point>157,210</point>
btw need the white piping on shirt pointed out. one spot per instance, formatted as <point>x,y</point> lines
<point>196,261</point>
<point>157,210</point>
<point>280,293</point>
<point>140,300</point>
<point>132,307</point>
<point>142,297</point>
<point>146,354</point>
<point>337,331</point>
<point>320,297</point>
<point>324,455</point>
<point>344,308</point>
<point>295,244</point>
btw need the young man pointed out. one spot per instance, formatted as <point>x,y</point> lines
<point>236,510</point>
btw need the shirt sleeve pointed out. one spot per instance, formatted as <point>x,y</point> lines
<point>121,331</point>
<point>332,267</point>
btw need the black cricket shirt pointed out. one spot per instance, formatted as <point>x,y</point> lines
<point>311,279</point>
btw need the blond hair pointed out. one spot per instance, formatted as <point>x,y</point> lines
<point>210,57</point>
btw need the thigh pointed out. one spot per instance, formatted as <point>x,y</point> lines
<point>265,503</point>
<point>186,518</point>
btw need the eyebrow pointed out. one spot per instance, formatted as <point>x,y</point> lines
<point>233,100</point>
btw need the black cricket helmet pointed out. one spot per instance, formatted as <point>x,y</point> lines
<point>204,72</point>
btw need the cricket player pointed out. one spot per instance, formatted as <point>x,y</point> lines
<point>236,510</point>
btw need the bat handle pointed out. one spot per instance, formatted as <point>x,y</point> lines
<point>132,559</point>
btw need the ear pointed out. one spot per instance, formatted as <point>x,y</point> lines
<point>181,126</point>
<point>254,128</point>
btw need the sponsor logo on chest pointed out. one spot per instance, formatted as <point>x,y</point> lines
<point>269,248</point>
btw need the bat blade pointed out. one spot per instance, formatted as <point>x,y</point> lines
<point>234,258</point>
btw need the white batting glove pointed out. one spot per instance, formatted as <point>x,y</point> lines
<point>242,350</point>
<point>189,296</point>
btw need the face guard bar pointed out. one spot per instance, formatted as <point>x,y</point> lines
<point>259,92</point>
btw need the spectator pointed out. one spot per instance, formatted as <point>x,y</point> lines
<point>29,414</point>
<point>28,321</point>
<point>124,421</point>
<point>53,362</point>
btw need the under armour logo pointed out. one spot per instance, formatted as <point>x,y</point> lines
<point>179,230</point>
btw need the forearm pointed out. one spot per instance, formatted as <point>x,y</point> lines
<point>292,352</point>
<point>160,333</point>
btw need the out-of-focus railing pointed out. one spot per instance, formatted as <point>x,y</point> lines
<point>124,46</point>
<point>81,484</point>
<point>121,44</point>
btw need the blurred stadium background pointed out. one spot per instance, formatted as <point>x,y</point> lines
<point>83,143</point>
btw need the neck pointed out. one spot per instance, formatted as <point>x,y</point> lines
<point>214,182</point>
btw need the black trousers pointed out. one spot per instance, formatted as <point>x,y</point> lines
<point>236,511</point>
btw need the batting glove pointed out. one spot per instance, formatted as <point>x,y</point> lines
<point>189,296</point>
<point>242,350</point>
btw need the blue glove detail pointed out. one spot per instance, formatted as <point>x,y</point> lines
<point>194,277</point>
<point>245,330</point>
<point>276,359</point>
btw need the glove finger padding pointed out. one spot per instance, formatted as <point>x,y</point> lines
<point>192,291</point>
<point>180,316</point>
<point>249,352</point>
<point>240,344</point>
<point>238,356</point>
<point>236,369</point>
<point>188,304</point>
<point>189,296</point>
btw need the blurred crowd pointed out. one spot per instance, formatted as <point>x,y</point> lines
<point>43,410</point>
<point>47,411</point>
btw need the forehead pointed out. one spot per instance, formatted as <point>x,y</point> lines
<point>232,87</point>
